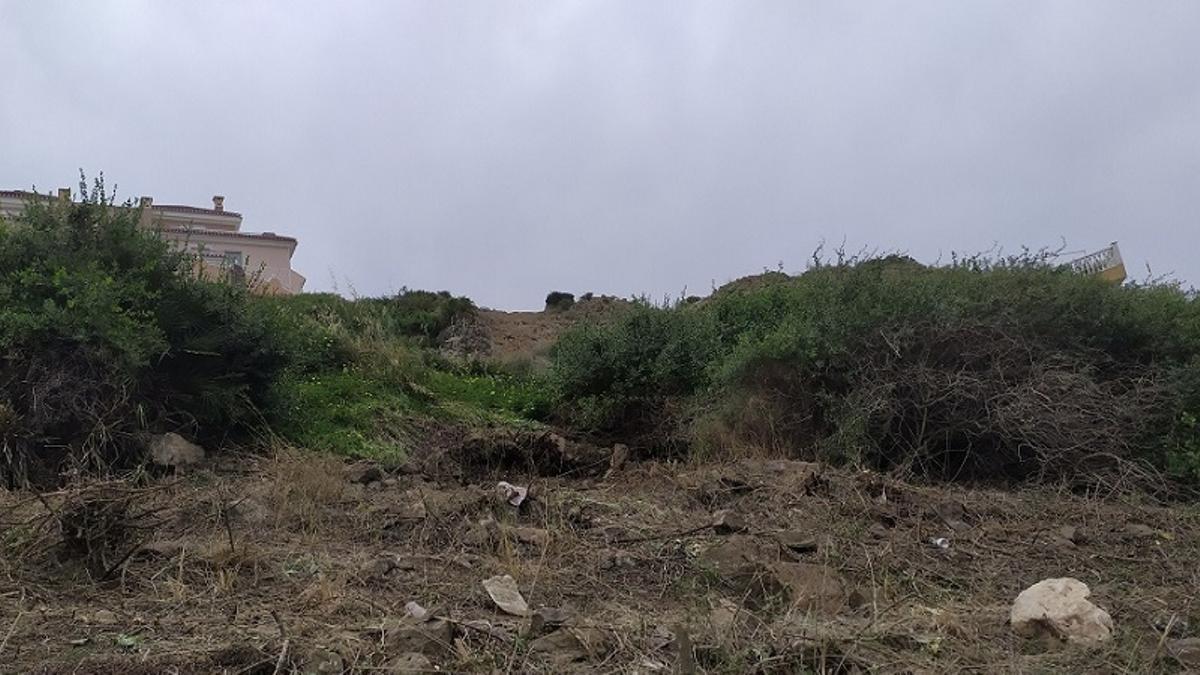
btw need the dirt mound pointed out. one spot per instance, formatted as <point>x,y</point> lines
<point>510,336</point>
<point>295,564</point>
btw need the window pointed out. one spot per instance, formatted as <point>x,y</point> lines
<point>232,259</point>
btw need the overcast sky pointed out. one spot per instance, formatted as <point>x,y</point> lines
<point>503,149</point>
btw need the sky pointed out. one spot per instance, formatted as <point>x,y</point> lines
<point>507,148</point>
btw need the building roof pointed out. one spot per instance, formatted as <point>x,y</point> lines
<point>24,194</point>
<point>194,209</point>
<point>264,236</point>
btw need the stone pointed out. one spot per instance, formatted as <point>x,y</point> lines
<point>174,451</point>
<point>431,638</point>
<point>411,662</point>
<point>953,515</point>
<point>533,536</point>
<point>723,617</point>
<point>568,645</point>
<point>1185,651</point>
<point>364,473</point>
<point>728,521</point>
<point>104,617</point>
<point>483,534</point>
<point>795,541</point>
<point>751,569</point>
<point>1139,531</point>
<point>378,567</point>
<point>1059,608</point>
<point>811,588</point>
<point>323,662</point>
<point>618,458</point>
<point>546,619</point>
<point>1171,624</point>
<point>249,511</point>
<point>504,592</point>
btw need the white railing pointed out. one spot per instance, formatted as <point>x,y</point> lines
<point>1094,263</point>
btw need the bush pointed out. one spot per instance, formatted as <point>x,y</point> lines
<point>106,332</point>
<point>560,301</point>
<point>980,369</point>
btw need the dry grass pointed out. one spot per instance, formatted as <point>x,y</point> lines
<point>215,593</point>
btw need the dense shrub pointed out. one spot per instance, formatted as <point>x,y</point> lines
<point>560,301</point>
<point>975,369</point>
<point>105,332</point>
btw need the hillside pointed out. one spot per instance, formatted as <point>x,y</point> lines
<point>860,468</point>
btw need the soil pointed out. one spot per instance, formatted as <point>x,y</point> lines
<point>508,336</point>
<point>292,563</point>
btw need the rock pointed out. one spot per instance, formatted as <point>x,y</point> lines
<point>533,536</point>
<point>953,515</point>
<point>174,451</point>
<point>1185,651</point>
<point>795,541</point>
<point>511,494</point>
<point>723,617</point>
<point>617,560</point>
<point>751,570</point>
<point>364,473</point>
<point>379,567</point>
<point>546,619</point>
<point>323,662</point>
<point>249,511</point>
<point>811,588</point>
<point>504,592</point>
<point>375,485</point>
<point>727,521</point>
<point>412,506</point>
<point>167,549</point>
<point>1169,623</point>
<point>568,645</point>
<point>1059,608</point>
<point>412,662</point>
<point>484,534</point>
<point>1139,531</point>
<point>104,617</point>
<point>431,638</point>
<point>616,460</point>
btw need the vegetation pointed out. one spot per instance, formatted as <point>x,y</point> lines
<point>105,332</point>
<point>981,368</point>
<point>559,300</point>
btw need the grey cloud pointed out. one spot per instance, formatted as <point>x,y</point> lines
<point>504,149</point>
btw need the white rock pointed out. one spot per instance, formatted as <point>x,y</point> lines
<point>171,449</point>
<point>1059,608</point>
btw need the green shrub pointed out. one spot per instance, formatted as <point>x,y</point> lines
<point>1009,368</point>
<point>559,301</point>
<point>106,332</point>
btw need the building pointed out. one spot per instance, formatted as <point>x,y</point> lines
<point>213,235</point>
<point>1105,263</point>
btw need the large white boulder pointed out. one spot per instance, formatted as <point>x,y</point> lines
<point>1059,608</point>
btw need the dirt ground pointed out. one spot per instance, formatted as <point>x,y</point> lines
<point>301,563</point>
<point>508,336</point>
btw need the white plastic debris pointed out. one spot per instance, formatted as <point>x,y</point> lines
<point>504,592</point>
<point>513,494</point>
<point>940,542</point>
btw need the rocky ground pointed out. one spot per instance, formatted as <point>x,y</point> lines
<point>583,562</point>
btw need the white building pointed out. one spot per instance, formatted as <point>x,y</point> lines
<point>214,235</point>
